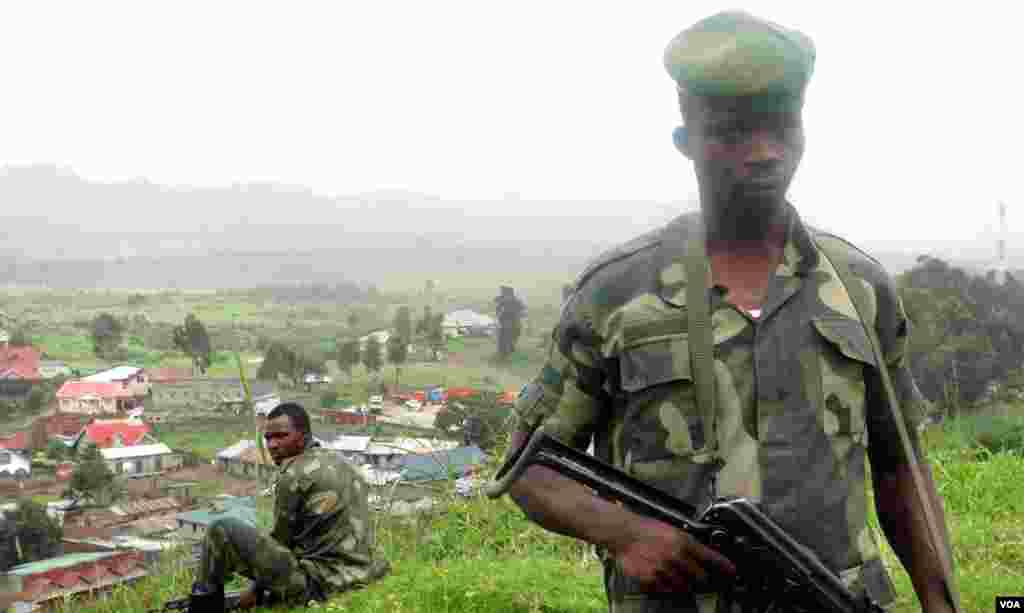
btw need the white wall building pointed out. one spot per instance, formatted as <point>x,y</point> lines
<point>140,459</point>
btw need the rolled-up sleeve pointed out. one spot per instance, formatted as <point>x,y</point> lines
<point>555,399</point>
<point>894,329</point>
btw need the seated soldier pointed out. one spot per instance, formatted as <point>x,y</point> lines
<point>322,541</point>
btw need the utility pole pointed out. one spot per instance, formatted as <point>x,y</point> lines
<point>1001,266</point>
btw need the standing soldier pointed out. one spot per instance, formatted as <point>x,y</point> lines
<point>798,403</point>
<point>322,541</point>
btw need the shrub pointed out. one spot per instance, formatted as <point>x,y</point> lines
<point>329,398</point>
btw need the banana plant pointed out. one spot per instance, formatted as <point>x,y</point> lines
<point>249,405</point>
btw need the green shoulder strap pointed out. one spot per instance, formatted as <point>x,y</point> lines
<point>701,340</point>
<point>833,252</point>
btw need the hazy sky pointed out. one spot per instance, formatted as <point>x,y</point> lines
<point>912,122</point>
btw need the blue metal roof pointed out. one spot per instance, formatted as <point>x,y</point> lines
<point>438,465</point>
<point>241,511</point>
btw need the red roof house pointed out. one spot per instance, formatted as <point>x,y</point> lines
<point>14,442</point>
<point>19,362</point>
<point>122,433</point>
<point>93,398</point>
<point>62,424</point>
<point>46,583</point>
<point>169,375</point>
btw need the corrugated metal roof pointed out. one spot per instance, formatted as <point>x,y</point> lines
<point>104,433</point>
<point>252,455</point>
<point>424,445</point>
<point>64,561</point>
<point>155,505</point>
<point>384,449</point>
<point>440,464</point>
<point>377,476</point>
<point>205,518</point>
<point>118,373</point>
<point>148,525</point>
<point>236,450</point>
<point>79,389</point>
<point>468,317</point>
<point>135,451</point>
<point>347,442</point>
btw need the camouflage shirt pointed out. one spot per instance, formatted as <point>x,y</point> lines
<point>795,393</point>
<point>321,515</point>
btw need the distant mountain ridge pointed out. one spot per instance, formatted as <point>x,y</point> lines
<point>60,230</point>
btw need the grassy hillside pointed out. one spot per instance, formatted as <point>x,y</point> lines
<point>484,556</point>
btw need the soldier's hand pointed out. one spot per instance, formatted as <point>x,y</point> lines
<point>665,559</point>
<point>248,599</point>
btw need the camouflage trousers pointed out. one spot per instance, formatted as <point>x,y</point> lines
<point>235,546</point>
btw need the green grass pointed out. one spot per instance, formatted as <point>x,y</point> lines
<point>485,556</point>
<point>206,438</point>
<point>65,347</point>
<point>528,585</point>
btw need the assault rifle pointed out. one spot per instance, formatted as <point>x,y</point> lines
<point>774,572</point>
<point>230,602</point>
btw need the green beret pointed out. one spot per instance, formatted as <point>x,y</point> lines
<point>737,54</point>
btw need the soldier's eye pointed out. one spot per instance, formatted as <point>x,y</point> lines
<point>729,131</point>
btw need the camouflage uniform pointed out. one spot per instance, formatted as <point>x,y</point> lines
<point>795,394</point>
<point>322,541</point>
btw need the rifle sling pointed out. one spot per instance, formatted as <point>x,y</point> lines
<point>701,341</point>
<point>923,499</point>
<point>701,364</point>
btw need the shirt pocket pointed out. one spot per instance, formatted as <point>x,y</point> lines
<point>843,355</point>
<point>662,435</point>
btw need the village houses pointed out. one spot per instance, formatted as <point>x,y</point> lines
<point>112,433</point>
<point>116,390</point>
<point>19,362</point>
<point>467,322</point>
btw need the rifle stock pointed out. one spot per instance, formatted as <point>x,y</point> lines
<point>773,569</point>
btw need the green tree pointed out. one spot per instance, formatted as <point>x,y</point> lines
<point>478,419</point>
<point>423,325</point>
<point>92,478</point>
<point>27,535</point>
<point>36,401</point>
<point>19,338</point>
<point>56,450</point>
<point>398,352</point>
<point>435,334</point>
<point>280,359</point>
<point>192,339</point>
<point>348,355</point>
<point>352,320</point>
<point>8,409</point>
<point>372,358</point>
<point>107,333</point>
<point>328,399</point>
<point>403,323</point>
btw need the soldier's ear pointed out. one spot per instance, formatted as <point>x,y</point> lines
<point>680,138</point>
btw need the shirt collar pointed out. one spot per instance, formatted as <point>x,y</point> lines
<point>799,256</point>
